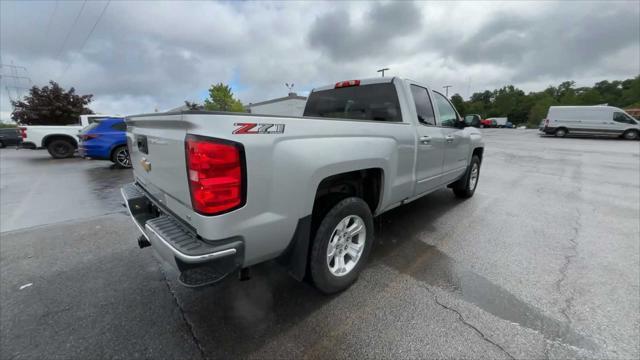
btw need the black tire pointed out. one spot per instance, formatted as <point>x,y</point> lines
<point>120,157</point>
<point>1,144</point>
<point>560,132</point>
<point>61,149</point>
<point>321,274</point>
<point>466,186</point>
<point>630,135</point>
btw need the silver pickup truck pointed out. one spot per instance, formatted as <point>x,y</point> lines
<point>216,193</point>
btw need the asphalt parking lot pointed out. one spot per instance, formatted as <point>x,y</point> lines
<point>543,262</point>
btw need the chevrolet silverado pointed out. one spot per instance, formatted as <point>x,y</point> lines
<point>216,193</point>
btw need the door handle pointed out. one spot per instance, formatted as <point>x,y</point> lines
<point>425,139</point>
<point>449,139</point>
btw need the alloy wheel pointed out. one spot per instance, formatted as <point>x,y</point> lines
<point>346,245</point>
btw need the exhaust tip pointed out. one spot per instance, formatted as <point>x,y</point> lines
<point>143,242</point>
<point>245,274</point>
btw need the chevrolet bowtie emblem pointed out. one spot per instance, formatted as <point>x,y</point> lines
<point>146,165</point>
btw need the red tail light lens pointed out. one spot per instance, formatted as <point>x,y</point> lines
<point>215,169</point>
<point>347,83</point>
<point>23,133</point>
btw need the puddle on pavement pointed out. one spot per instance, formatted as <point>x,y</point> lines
<point>437,269</point>
<point>399,246</point>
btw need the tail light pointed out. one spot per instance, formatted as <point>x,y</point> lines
<point>347,83</point>
<point>23,132</point>
<point>85,137</point>
<point>216,171</point>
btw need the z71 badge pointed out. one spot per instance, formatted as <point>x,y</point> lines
<point>253,128</point>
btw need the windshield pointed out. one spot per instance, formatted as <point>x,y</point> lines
<point>91,126</point>
<point>369,102</point>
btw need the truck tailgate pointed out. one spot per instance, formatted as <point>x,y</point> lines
<point>157,151</point>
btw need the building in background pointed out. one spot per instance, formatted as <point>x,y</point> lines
<point>635,112</point>
<point>291,105</point>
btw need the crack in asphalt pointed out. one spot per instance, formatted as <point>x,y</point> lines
<point>568,258</point>
<point>466,323</point>
<point>190,326</point>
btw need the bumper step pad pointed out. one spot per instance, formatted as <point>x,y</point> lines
<point>198,261</point>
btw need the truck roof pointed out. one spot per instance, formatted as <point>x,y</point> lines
<point>367,81</point>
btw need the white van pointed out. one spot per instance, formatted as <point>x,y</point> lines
<point>500,121</point>
<point>590,120</point>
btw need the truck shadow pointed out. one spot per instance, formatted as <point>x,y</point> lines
<point>272,304</point>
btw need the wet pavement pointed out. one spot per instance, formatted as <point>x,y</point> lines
<point>543,262</point>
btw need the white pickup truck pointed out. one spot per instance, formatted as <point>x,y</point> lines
<point>216,193</point>
<point>61,141</point>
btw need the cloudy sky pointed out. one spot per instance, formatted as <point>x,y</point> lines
<point>147,55</point>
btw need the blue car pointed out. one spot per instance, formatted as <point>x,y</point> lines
<point>106,139</point>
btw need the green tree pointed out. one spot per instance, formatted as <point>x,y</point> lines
<point>459,104</point>
<point>540,109</point>
<point>631,92</point>
<point>50,105</point>
<point>192,105</point>
<point>531,108</point>
<point>221,99</point>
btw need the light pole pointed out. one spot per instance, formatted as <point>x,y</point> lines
<point>446,89</point>
<point>382,71</point>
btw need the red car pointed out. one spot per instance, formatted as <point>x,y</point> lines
<point>487,123</point>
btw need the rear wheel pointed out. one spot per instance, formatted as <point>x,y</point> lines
<point>561,132</point>
<point>466,186</point>
<point>60,149</point>
<point>630,134</point>
<point>341,245</point>
<point>120,157</point>
<point>1,144</point>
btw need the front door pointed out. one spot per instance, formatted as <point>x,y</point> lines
<point>621,122</point>
<point>430,148</point>
<point>457,142</point>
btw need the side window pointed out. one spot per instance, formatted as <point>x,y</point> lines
<point>448,115</point>
<point>423,105</point>
<point>623,118</point>
<point>121,126</point>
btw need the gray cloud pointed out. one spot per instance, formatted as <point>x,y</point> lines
<point>337,34</point>
<point>147,55</point>
<point>565,40</point>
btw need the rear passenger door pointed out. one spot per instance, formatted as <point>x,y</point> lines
<point>430,148</point>
<point>456,140</point>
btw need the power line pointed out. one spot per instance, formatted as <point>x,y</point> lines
<point>104,9</point>
<point>53,13</point>
<point>66,38</point>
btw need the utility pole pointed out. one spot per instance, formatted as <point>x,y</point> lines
<point>16,78</point>
<point>382,71</point>
<point>446,89</point>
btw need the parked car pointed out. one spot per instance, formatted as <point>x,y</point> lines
<point>106,139</point>
<point>488,123</point>
<point>473,120</point>
<point>215,193</point>
<point>60,141</point>
<point>590,120</point>
<point>10,137</point>
<point>509,125</point>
